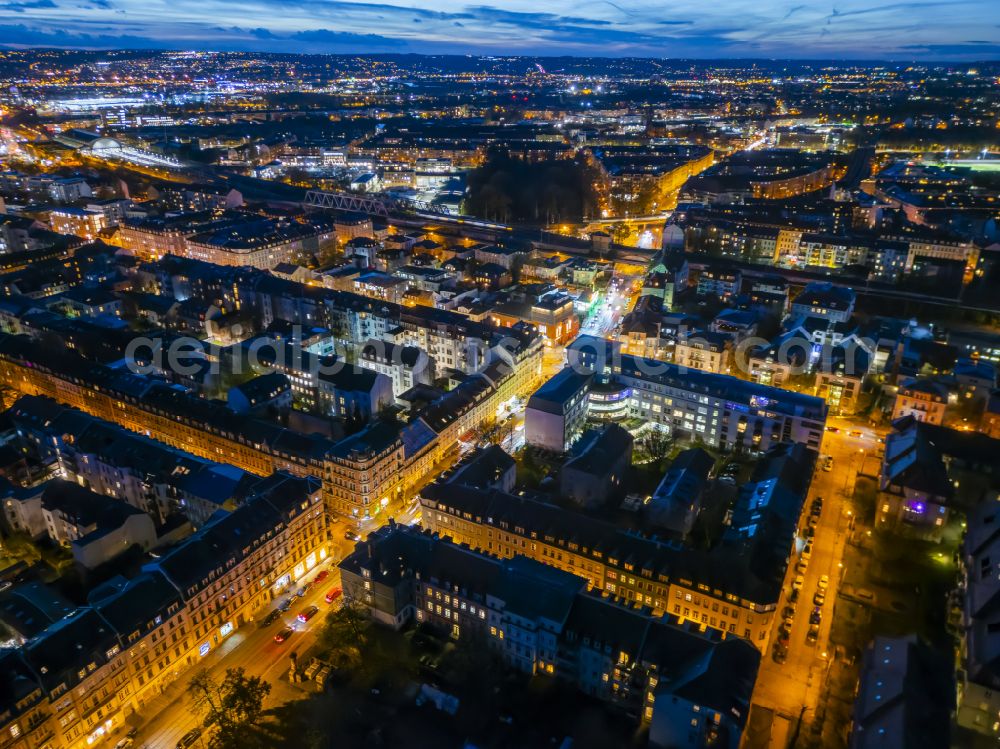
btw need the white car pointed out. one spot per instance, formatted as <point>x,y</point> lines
<point>824,582</point>
<point>798,582</point>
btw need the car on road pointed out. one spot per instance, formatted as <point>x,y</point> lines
<point>352,536</point>
<point>334,594</point>
<point>798,582</point>
<point>819,598</point>
<point>787,612</point>
<point>322,576</point>
<point>816,615</point>
<point>285,605</point>
<point>828,463</point>
<point>189,738</point>
<point>813,522</point>
<point>308,614</point>
<point>813,634</point>
<point>807,551</point>
<point>132,732</point>
<point>856,433</point>
<point>271,618</point>
<point>801,566</point>
<point>284,634</point>
<point>824,582</point>
<point>124,743</point>
<point>787,623</point>
<point>834,430</point>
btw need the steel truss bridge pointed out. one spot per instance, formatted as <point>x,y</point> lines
<point>371,205</point>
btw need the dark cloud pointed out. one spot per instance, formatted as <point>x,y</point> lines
<point>257,40</point>
<point>20,7</point>
<point>786,28</point>
<point>961,50</point>
<point>361,8</point>
<point>525,20</point>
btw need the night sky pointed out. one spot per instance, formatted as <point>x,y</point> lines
<point>844,29</point>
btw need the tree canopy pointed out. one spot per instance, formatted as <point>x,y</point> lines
<point>506,188</point>
<point>231,709</point>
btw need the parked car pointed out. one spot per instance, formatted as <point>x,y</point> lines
<point>271,618</point>
<point>824,582</point>
<point>798,582</point>
<point>302,591</point>
<point>779,653</point>
<point>284,634</point>
<point>787,612</point>
<point>807,551</point>
<point>189,738</point>
<point>322,576</point>
<point>793,597</point>
<point>124,743</point>
<point>819,598</point>
<point>813,634</point>
<point>816,615</point>
<point>285,605</point>
<point>801,566</point>
<point>308,614</point>
<point>334,594</point>
<point>828,463</point>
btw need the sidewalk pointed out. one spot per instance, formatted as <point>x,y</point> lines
<point>177,689</point>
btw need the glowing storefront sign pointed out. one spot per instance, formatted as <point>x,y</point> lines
<point>102,729</point>
<point>226,628</point>
<point>203,650</point>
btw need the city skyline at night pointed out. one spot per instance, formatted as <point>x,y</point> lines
<point>587,375</point>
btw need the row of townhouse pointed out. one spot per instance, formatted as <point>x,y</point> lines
<point>361,471</point>
<point>149,475</point>
<point>99,667</point>
<point>690,688</point>
<point>372,471</point>
<point>734,588</point>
